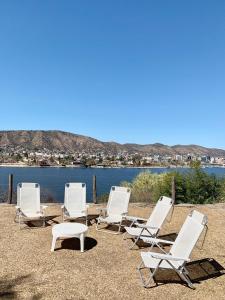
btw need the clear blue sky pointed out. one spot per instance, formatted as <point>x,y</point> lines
<point>128,71</point>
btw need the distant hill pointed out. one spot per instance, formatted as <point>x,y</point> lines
<point>65,141</point>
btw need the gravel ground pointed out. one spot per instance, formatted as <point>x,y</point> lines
<point>107,268</point>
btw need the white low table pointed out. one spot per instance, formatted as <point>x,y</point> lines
<point>69,230</point>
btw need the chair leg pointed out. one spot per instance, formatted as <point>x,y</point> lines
<point>134,243</point>
<point>157,245</point>
<point>19,221</point>
<point>108,231</point>
<point>16,219</point>
<point>136,239</point>
<point>144,282</point>
<point>54,239</point>
<point>119,227</point>
<point>125,236</point>
<point>185,278</point>
<point>96,226</point>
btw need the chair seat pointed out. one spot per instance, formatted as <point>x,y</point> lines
<point>75,214</point>
<point>152,263</point>
<point>135,231</point>
<point>111,219</point>
<point>32,215</point>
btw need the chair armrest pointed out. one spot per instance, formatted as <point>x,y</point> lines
<point>102,210</point>
<point>131,218</point>
<point>98,208</point>
<point>18,210</point>
<point>135,219</point>
<point>145,226</point>
<point>44,206</point>
<point>155,240</point>
<point>167,257</point>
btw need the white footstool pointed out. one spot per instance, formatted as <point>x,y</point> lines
<point>69,230</point>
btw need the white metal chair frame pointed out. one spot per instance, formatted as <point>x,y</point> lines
<point>105,212</point>
<point>145,229</point>
<point>169,258</point>
<point>21,216</point>
<point>80,213</point>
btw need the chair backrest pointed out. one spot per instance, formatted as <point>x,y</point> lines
<point>189,234</point>
<point>28,197</point>
<point>160,212</point>
<point>75,196</point>
<point>118,200</point>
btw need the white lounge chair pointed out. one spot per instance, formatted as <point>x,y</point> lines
<point>28,203</point>
<point>74,201</point>
<point>154,223</point>
<point>117,208</point>
<point>179,253</point>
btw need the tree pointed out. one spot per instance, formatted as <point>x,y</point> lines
<point>195,164</point>
<point>137,160</point>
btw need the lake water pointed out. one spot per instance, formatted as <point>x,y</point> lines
<point>52,180</point>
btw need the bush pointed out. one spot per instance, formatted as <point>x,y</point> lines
<point>194,186</point>
<point>103,198</point>
<point>145,187</point>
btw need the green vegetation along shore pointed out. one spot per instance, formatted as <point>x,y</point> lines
<point>193,186</point>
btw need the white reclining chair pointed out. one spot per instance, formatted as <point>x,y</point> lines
<point>179,253</point>
<point>74,201</point>
<point>154,223</point>
<point>117,208</point>
<point>28,206</point>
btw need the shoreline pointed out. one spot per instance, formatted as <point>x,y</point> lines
<point>107,167</point>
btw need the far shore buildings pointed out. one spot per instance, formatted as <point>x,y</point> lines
<point>19,155</point>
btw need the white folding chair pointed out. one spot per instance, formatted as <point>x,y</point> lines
<point>117,208</point>
<point>74,201</point>
<point>179,254</point>
<point>154,223</point>
<point>28,203</point>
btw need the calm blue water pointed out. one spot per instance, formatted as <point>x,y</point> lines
<point>52,180</point>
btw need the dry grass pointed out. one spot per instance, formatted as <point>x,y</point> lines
<point>107,269</point>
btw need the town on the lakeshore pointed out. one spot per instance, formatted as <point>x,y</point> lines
<point>45,157</point>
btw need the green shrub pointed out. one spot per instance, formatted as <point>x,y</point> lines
<point>194,186</point>
<point>103,198</point>
<point>145,187</point>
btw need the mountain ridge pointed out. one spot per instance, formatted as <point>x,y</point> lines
<point>57,140</point>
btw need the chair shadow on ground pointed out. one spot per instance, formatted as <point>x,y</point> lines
<point>114,228</point>
<point>199,270</point>
<point>49,221</point>
<point>125,223</point>
<point>74,244</point>
<point>168,237</point>
<point>8,287</point>
<point>91,219</point>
